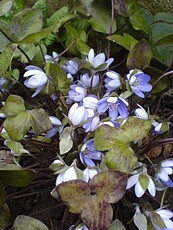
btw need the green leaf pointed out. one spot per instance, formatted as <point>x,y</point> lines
<point>4,41</point>
<point>55,17</point>
<point>157,220</point>
<point>39,121</point>
<point>4,215</point>
<point>121,158</point>
<point>59,77</point>
<point>17,126</point>
<point>16,147</point>
<point>134,129</point>
<point>83,47</point>
<point>140,55</point>
<point>109,185</point>
<point>101,19</point>
<point>144,181</point>
<point>116,225</point>
<point>5,6</point>
<point>136,17</point>
<point>38,36</point>
<point>29,50</point>
<point>13,105</point>
<point>66,142</point>
<point>14,175</point>
<point>76,193</point>
<point>97,215</point>
<point>165,40</point>
<point>140,220</point>
<point>127,41</point>
<point>22,222</point>
<point>6,57</point>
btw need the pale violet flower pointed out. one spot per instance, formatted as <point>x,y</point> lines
<point>89,173</point>
<point>89,81</point>
<point>115,106</point>
<point>163,171</point>
<point>54,58</point>
<point>77,114</point>
<point>57,127</point>
<point>138,82</point>
<point>79,227</point>
<point>142,182</point>
<point>157,127</point>
<point>36,79</point>
<point>89,153</point>
<point>165,215</point>
<point>90,102</point>
<point>92,124</point>
<point>71,67</point>
<point>77,92</point>
<point>99,62</point>
<point>141,113</point>
<point>112,81</point>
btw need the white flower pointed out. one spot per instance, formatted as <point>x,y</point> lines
<point>157,126</point>
<point>165,215</point>
<point>142,182</point>
<point>141,113</point>
<point>112,81</point>
<point>37,78</point>
<point>54,58</point>
<point>77,114</point>
<point>69,174</point>
<point>88,81</point>
<point>98,60</point>
<point>89,173</point>
<point>90,102</point>
<point>165,169</point>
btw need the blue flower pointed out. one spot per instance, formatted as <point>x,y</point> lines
<point>37,79</point>
<point>93,121</point>
<point>164,170</point>
<point>112,81</point>
<point>71,66</point>
<point>57,127</point>
<point>89,153</point>
<point>98,62</point>
<point>138,82</point>
<point>54,58</point>
<point>115,106</point>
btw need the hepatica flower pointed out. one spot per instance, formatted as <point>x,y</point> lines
<point>138,82</point>
<point>77,114</point>
<point>165,223</point>
<point>99,62</point>
<point>89,81</point>
<point>115,106</point>
<point>112,81</point>
<point>77,92</point>
<point>36,79</point>
<point>53,59</point>
<point>142,182</point>
<point>89,173</point>
<point>71,67</point>
<point>141,113</point>
<point>57,127</point>
<point>163,171</point>
<point>89,153</point>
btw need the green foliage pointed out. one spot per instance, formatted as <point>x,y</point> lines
<point>13,175</point>
<point>66,142</point>
<point>32,224</point>
<point>116,142</point>
<point>5,215</point>
<point>96,212</point>
<point>5,6</point>
<point>116,225</point>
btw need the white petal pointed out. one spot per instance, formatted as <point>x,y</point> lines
<point>55,120</point>
<point>112,99</point>
<point>71,111</point>
<point>91,56</point>
<point>169,171</point>
<point>112,75</point>
<point>163,175</point>
<point>165,213</point>
<point>59,179</point>
<point>132,181</point>
<point>37,80</point>
<point>70,174</point>
<point>167,163</point>
<point>169,224</point>
<point>152,188</point>
<point>79,116</point>
<point>33,72</point>
<point>98,60</point>
<point>139,191</point>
